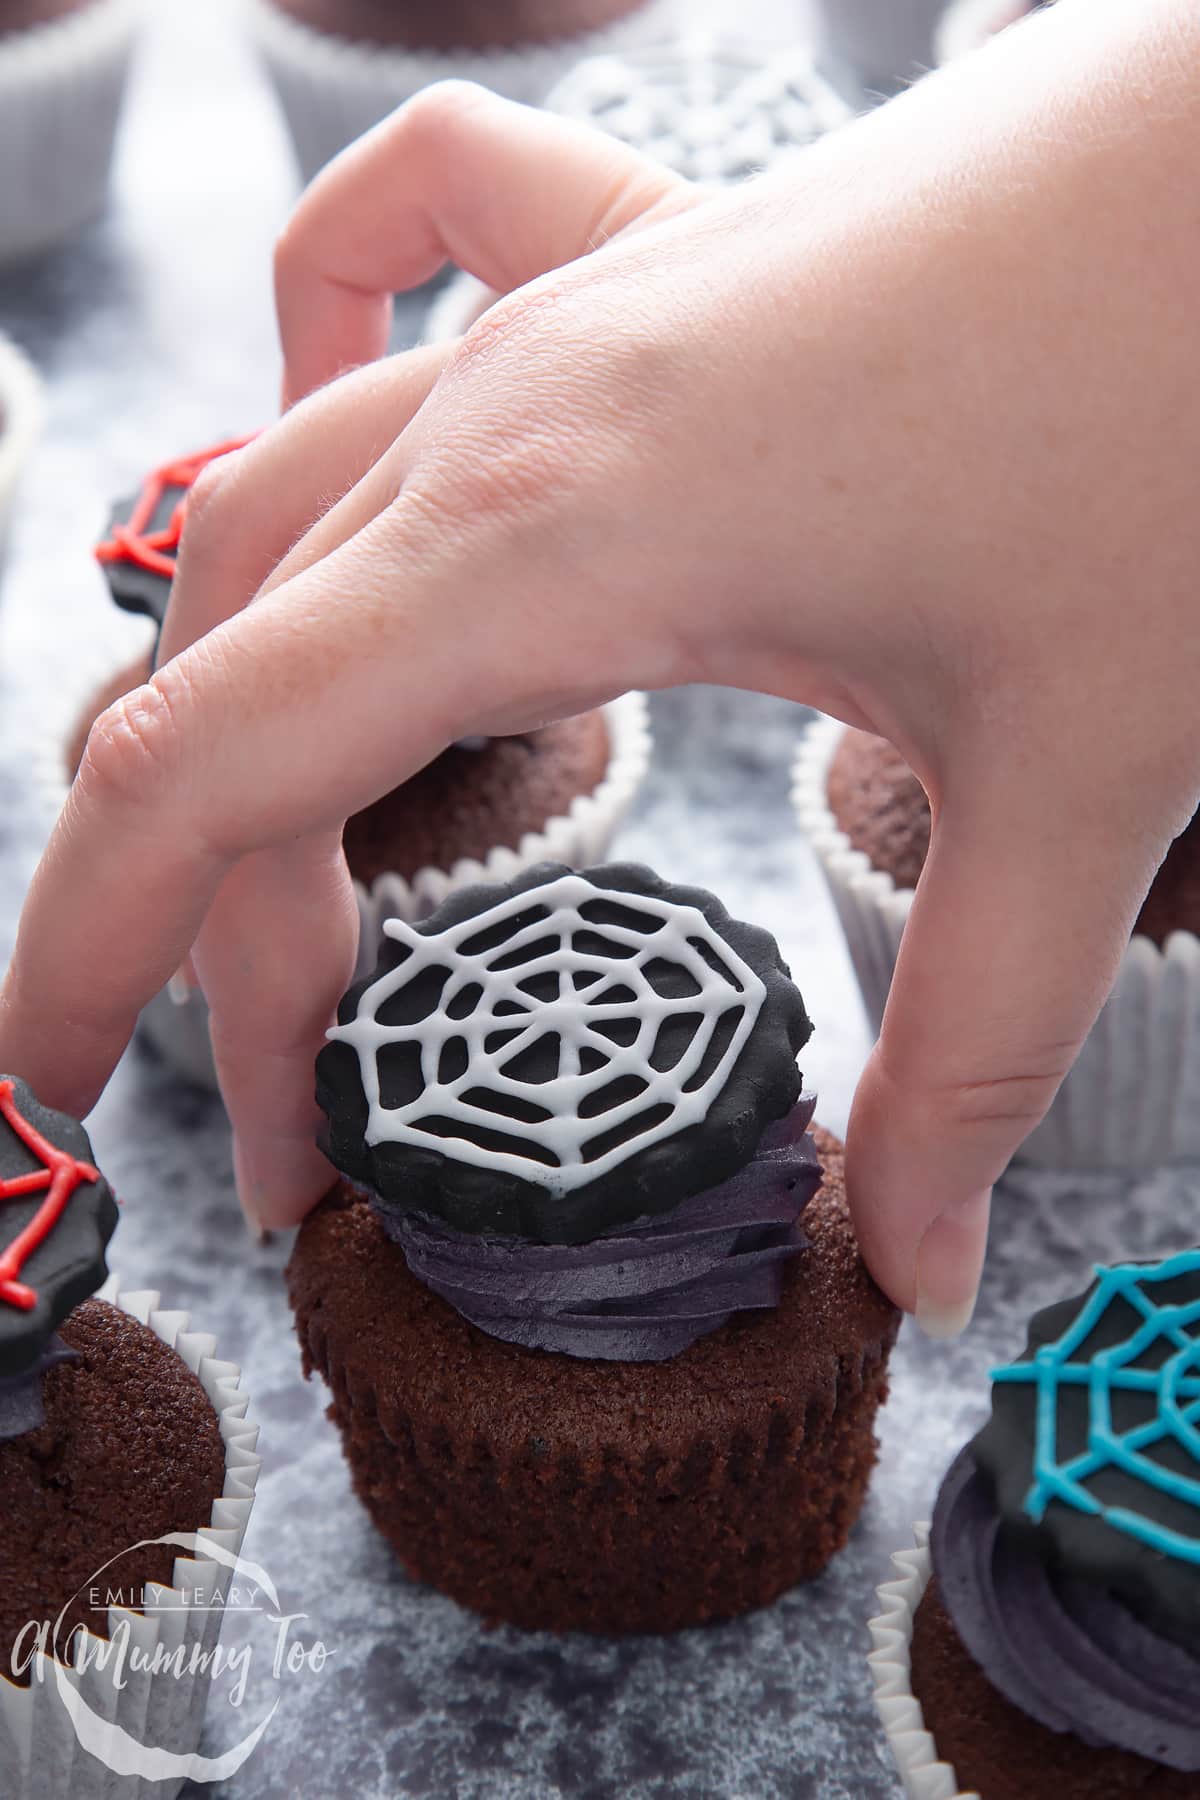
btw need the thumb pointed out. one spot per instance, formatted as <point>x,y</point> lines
<point>1013,943</point>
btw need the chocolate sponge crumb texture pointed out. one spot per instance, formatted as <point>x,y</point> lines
<point>551,1435</point>
<point>116,1427</point>
<point>130,1449</point>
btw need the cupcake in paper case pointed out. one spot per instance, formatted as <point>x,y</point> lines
<point>484,809</point>
<point>867,818</point>
<point>710,107</point>
<point>122,1442</point>
<point>602,1351</point>
<point>339,69</point>
<point>1044,1638</point>
<point>63,65</point>
<point>20,422</point>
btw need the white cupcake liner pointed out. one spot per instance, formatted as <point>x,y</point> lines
<point>20,418</point>
<point>332,90</point>
<point>61,86</point>
<point>40,1749</point>
<point>1133,1097</point>
<point>872,909</point>
<point>890,1662</point>
<point>579,837</point>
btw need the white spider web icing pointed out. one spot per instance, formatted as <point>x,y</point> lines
<point>559,1149</point>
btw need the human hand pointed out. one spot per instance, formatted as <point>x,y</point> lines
<point>847,434</point>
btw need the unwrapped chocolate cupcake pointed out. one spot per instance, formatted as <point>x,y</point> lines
<point>602,1350</point>
<point>1043,1642</point>
<point>484,809</point>
<point>63,65</point>
<point>1133,1097</point>
<point>340,68</point>
<point>118,1428</point>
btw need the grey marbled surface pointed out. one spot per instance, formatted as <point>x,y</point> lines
<point>155,334</point>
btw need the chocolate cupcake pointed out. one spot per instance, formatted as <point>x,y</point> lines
<point>63,65</point>
<point>868,820</point>
<point>1054,1616</point>
<point>455,24</point>
<point>883,810</point>
<point>137,556</point>
<point>602,1351</point>
<point>484,809</point>
<point>339,69</point>
<point>111,1442</point>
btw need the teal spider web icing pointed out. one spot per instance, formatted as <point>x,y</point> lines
<point>1174,1385</point>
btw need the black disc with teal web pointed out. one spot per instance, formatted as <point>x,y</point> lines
<point>1093,1446</point>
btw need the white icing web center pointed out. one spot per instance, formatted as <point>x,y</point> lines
<point>554,1035</point>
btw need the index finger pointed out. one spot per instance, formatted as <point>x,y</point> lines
<point>226,752</point>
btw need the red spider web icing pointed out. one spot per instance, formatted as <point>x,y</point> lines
<point>62,1174</point>
<point>156,550</point>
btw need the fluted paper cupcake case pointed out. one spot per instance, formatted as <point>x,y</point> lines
<point>37,1738</point>
<point>20,421</point>
<point>578,837</point>
<point>332,89</point>
<point>924,1776</point>
<point>61,86</point>
<point>712,108</point>
<point>1133,1097</point>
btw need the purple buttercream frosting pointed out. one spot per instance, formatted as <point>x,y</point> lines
<point>643,1292</point>
<point>21,1408</point>
<point>1068,1653</point>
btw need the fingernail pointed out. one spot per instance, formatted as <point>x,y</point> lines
<point>183,982</point>
<point>949,1264</point>
<point>249,1194</point>
<point>179,989</point>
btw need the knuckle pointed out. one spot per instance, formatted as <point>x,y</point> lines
<point>971,1099</point>
<point>510,323</point>
<point>436,112</point>
<point>287,252</point>
<point>130,751</point>
<point>208,501</point>
<point>1016,1102</point>
<point>1013,1097</point>
<point>514,485</point>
